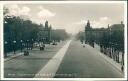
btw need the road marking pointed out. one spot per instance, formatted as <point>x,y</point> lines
<point>50,69</point>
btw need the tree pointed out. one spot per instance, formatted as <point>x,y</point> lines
<point>17,29</point>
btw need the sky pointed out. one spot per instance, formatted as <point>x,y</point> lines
<point>71,16</point>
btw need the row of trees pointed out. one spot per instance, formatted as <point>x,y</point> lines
<point>110,40</point>
<point>20,33</point>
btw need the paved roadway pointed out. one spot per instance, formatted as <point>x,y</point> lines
<point>28,66</point>
<point>85,62</point>
<point>76,62</point>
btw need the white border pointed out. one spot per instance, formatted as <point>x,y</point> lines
<point>62,2</point>
<point>125,34</point>
<point>1,39</point>
<point>58,2</point>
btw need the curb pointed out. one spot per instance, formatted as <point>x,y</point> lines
<point>12,57</point>
<point>116,65</point>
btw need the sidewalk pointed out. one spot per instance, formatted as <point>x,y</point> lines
<point>11,55</point>
<point>108,59</point>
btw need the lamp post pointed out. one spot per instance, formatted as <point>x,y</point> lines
<point>14,43</point>
<point>5,52</point>
<point>27,44</point>
<point>85,35</point>
<point>110,44</point>
<point>32,44</point>
<point>21,41</point>
<point>49,33</point>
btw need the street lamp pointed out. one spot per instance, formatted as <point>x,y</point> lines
<point>27,44</point>
<point>50,28</point>
<point>14,42</point>
<point>5,52</point>
<point>32,44</point>
<point>44,40</point>
<point>21,41</point>
<point>110,42</point>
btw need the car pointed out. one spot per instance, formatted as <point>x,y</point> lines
<point>54,43</point>
<point>26,53</point>
<point>42,47</point>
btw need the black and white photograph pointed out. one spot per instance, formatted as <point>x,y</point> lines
<point>64,40</point>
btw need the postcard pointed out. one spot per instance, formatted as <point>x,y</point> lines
<point>64,40</point>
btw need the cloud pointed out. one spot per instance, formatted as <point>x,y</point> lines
<point>18,11</point>
<point>101,22</point>
<point>81,22</point>
<point>45,13</point>
<point>80,25</point>
<point>103,18</point>
<point>42,15</point>
<point>24,12</point>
